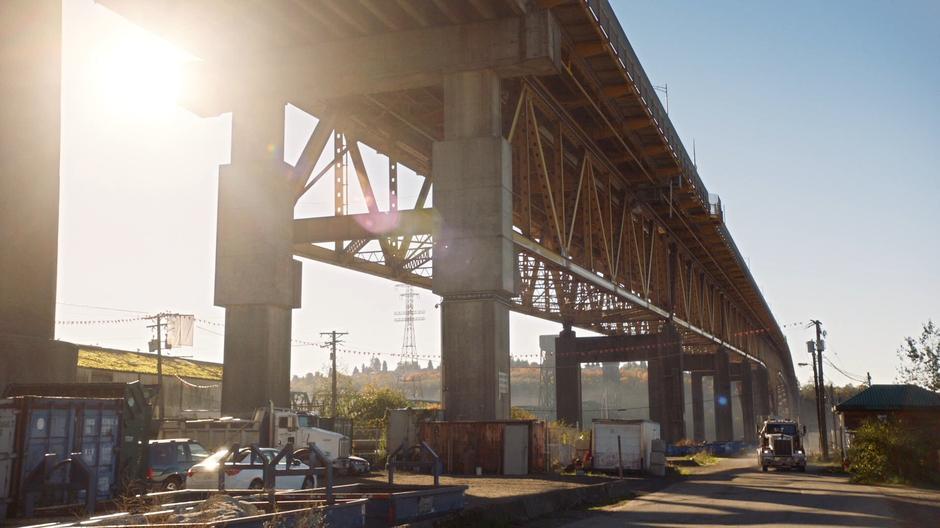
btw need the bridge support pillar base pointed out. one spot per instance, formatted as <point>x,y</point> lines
<point>567,379</point>
<point>698,408</point>
<point>723,417</point>
<point>475,359</point>
<point>666,387</point>
<point>257,358</point>
<point>747,402</point>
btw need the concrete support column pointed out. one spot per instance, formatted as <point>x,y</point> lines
<point>761,391</point>
<point>747,402</point>
<point>257,280</point>
<point>567,379</point>
<point>723,418</point>
<point>666,387</point>
<point>698,408</point>
<point>30,94</point>
<point>474,260</point>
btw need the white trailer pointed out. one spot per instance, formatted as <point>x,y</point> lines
<point>636,444</point>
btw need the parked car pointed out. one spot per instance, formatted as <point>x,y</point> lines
<point>205,475</point>
<point>170,460</point>
<point>351,465</point>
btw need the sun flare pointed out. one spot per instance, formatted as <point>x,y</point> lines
<point>139,73</point>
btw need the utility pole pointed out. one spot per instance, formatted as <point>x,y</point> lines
<point>811,348</point>
<point>333,342</point>
<point>821,389</point>
<point>836,429</point>
<point>159,346</point>
<point>869,378</point>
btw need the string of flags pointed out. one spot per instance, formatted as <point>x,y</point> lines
<point>195,386</point>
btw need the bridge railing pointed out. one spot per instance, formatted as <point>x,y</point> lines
<point>610,25</point>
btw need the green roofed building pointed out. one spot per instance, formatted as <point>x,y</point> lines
<point>191,388</point>
<point>912,406</point>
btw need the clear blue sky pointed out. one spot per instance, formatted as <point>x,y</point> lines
<point>817,123</point>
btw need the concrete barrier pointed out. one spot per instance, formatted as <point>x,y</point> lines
<point>529,507</point>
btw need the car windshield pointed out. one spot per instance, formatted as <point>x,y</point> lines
<point>198,452</point>
<point>245,455</point>
<point>787,429</point>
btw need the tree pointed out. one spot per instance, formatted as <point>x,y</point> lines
<point>920,358</point>
<point>384,366</point>
<point>371,402</point>
<point>430,365</point>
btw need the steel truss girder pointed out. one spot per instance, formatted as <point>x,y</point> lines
<point>591,253</point>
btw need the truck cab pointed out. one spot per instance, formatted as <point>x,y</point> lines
<point>295,428</point>
<point>780,444</point>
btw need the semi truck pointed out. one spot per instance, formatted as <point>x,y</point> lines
<point>781,445</point>
<point>270,427</point>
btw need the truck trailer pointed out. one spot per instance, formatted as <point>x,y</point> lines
<point>270,427</point>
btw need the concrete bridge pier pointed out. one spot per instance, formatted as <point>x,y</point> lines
<point>747,401</point>
<point>761,391</point>
<point>30,99</point>
<point>665,385</point>
<point>567,378</point>
<point>474,261</point>
<point>257,281</point>
<point>724,430</point>
<point>698,407</point>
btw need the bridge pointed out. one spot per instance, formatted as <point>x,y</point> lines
<point>554,184</point>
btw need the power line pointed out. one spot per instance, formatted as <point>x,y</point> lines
<point>102,308</point>
<point>843,371</point>
<point>847,375</point>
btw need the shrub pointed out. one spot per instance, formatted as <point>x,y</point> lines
<point>886,451</point>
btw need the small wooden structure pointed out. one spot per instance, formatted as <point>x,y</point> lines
<point>503,447</point>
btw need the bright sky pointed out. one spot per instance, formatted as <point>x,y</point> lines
<point>817,123</point>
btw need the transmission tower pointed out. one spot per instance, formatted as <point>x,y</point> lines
<point>409,348</point>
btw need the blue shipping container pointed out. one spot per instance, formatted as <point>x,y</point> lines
<point>62,426</point>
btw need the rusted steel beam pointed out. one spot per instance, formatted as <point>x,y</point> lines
<point>365,226</point>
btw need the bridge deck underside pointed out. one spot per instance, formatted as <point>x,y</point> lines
<point>615,231</point>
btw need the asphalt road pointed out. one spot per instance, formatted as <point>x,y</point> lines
<point>741,495</point>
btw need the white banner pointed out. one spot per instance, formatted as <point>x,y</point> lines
<point>179,330</point>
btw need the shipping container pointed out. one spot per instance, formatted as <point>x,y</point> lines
<point>636,444</point>
<point>90,428</point>
<point>506,447</point>
<point>137,425</point>
<point>7,456</point>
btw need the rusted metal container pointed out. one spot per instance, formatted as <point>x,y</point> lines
<point>504,447</point>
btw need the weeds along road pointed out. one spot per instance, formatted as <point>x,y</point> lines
<point>737,493</point>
